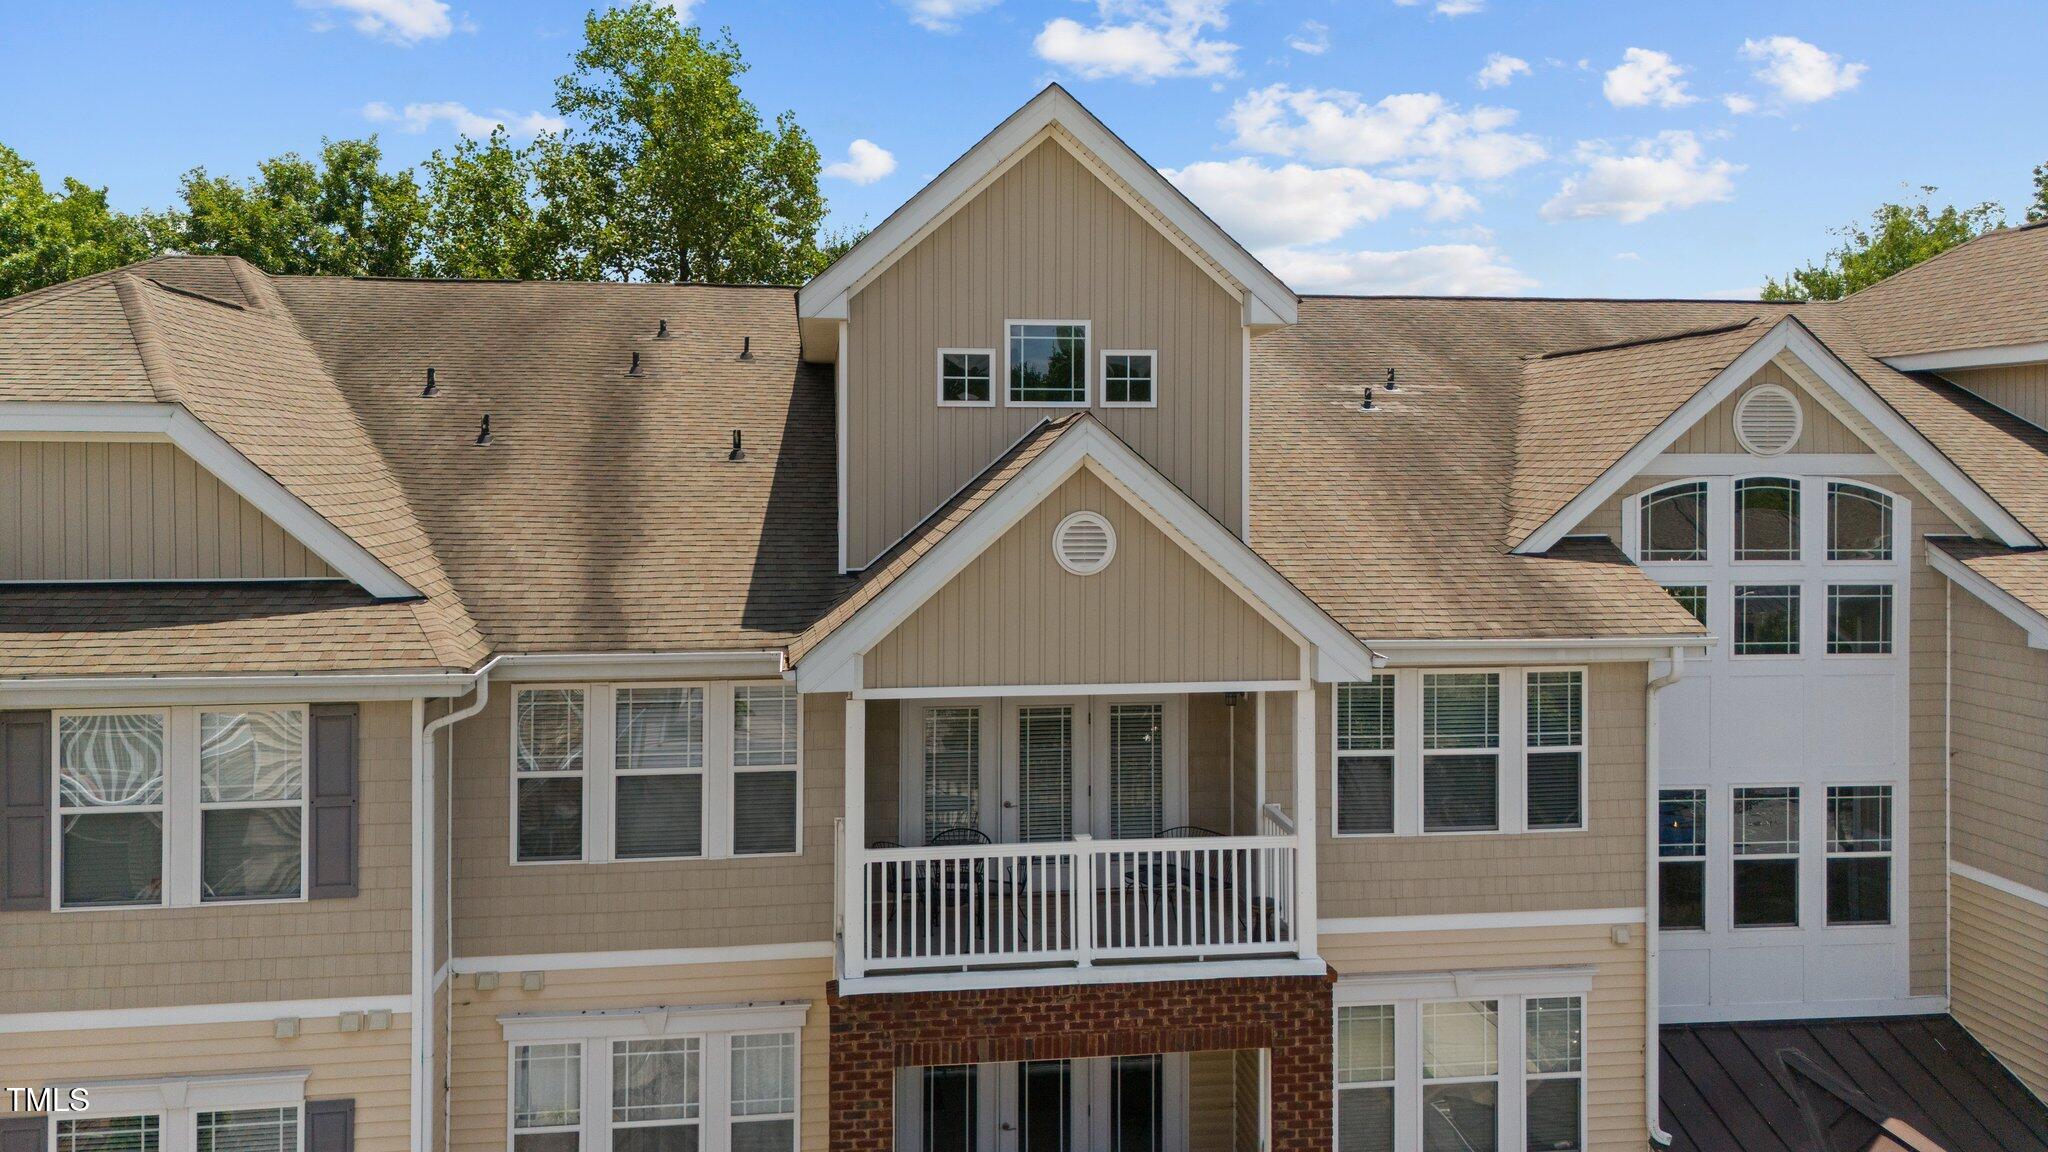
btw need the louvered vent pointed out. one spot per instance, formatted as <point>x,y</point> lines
<point>1084,543</point>
<point>1767,421</point>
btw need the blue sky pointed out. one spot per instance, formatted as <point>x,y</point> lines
<point>1491,146</point>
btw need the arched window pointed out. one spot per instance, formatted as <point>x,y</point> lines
<point>1675,523</point>
<point>1859,522</point>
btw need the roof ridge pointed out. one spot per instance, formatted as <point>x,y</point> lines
<point>198,295</point>
<point>1901,274</point>
<point>1666,338</point>
<point>149,343</point>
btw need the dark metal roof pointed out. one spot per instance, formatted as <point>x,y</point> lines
<point>1725,1089</point>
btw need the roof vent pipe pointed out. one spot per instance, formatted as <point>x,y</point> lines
<point>738,453</point>
<point>634,370</point>
<point>431,387</point>
<point>746,347</point>
<point>1365,405</point>
<point>483,434</point>
<point>661,333</point>
<point>1391,385</point>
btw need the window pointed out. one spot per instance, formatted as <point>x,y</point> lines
<point>547,1097</point>
<point>1554,1075</point>
<point>1767,857</point>
<point>1860,854</point>
<point>109,1134</point>
<point>1127,380</point>
<point>1461,751</point>
<point>549,754</point>
<point>658,780</point>
<point>965,377</point>
<point>110,808</point>
<point>249,1130</point>
<point>1365,757</point>
<point>657,1095</point>
<point>1048,363</point>
<point>1692,598</point>
<point>1674,523</point>
<point>1767,620</point>
<point>1766,518</point>
<point>764,756</point>
<point>1557,749</point>
<point>252,788</point>
<point>764,1093</point>
<point>949,1112</point>
<point>952,769</point>
<point>236,1112</point>
<point>1365,1078</point>
<point>1137,770</point>
<point>1460,1076</point>
<point>1859,619</point>
<point>1682,859</point>
<point>1859,523</point>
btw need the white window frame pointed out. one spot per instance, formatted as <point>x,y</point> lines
<point>1087,328</point>
<point>177,1101</point>
<point>1152,355</point>
<point>583,1093</point>
<point>794,768</point>
<point>611,771</point>
<point>1827,620</point>
<point>1802,624</point>
<point>181,808</point>
<point>939,377</point>
<point>1891,853</point>
<point>1391,752</point>
<point>1581,748</point>
<point>1798,856</point>
<point>590,747</point>
<point>1700,860</point>
<point>1632,519</point>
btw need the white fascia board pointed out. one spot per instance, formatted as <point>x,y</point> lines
<point>1787,335</point>
<point>1592,650</point>
<point>663,1020</point>
<point>1996,356</point>
<point>704,665</point>
<point>122,691</point>
<point>2000,601</point>
<point>1479,921</point>
<point>1802,1010</point>
<point>240,1012</point>
<point>1573,980</point>
<point>178,426</point>
<point>1175,688</point>
<point>285,1089</point>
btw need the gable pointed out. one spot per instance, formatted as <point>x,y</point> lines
<point>1820,430</point>
<point>80,510</point>
<point>1014,616</point>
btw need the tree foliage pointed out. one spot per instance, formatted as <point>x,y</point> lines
<point>2037,212</point>
<point>1897,237</point>
<point>48,239</point>
<point>342,217</point>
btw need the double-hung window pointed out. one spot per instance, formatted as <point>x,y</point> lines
<point>1365,757</point>
<point>1859,855</point>
<point>658,779</point>
<point>1556,763</point>
<point>1554,1072</point>
<point>1461,1076</point>
<point>547,1097</point>
<point>1461,751</point>
<point>1048,363</point>
<point>1766,866</point>
<point>111,770</point>
<point>252,1112</point>
<point>763,1081</point>
<point>657,1094</point>
<point>1365,1078</point>
<point>252,785</point>
<point>1682,859</point>
<point>764,754</point>
<point>248,1130</point>
<point>549,757</point>
<point>137,1133</point>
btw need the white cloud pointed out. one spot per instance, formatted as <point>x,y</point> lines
<point>1646,76</point>
<point>400,21</point>
<point>943,15</point>
<point>865,163</point>
<point>420,117</point>
<point>1500,70</point>
<point>1422,134</point>
<point>1433,270</point>
<point>1313,38</point>
<point>1294,204</point>
<point>682,9</point>
<point>1142,40</point>
<point>1655,175</point>
<point>1801,73</point>
<point>1448,7</point>
<point>1739,104</point>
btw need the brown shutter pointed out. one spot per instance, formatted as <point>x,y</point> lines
<point>24,1134</point>
<point>330,1126</point>
<point>24,812</point>
<point>336,786</point>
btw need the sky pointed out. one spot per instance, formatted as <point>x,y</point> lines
<point>1502,147</point>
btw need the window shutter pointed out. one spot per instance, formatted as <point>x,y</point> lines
<point>330,1126</point>
<point>24,813</point>
<point>336,785</point>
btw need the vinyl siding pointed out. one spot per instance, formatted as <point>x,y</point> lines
<point>2001,977</point>
<point>151,957</point>
<point>2021,389</point>
<point>367,1067</point>
<point>91,510</point>
<point>1819,431</point>
<point>477,1085</point>
<point>1014,616</point>
<point>1047,240</point>
<point>1999,782</point>
<point>507,909</point>
<point>1212,1110</point>
<point>1614,1011</point>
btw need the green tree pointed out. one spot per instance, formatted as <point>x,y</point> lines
<point>484,213</point>
<point>345,216</point>
<point>1897,237</point>
<point>2037,212</point>
<point>47,239</point>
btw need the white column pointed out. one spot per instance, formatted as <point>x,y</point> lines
<point>1305,776</point>
<point>853,903</point>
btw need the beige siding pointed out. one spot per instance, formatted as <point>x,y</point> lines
<point>1999,785</point>
<point>1014,616</point>
<point>2001,977</point>
<point>1247,1135</point>
<point>1614,1032</point>
<point>150,957</point>
<point>2021,389</point>
<point>1212,1112</point>
<point>1819,431</point>
<point>79,510</point>
<point>1601,867</point>
<point>367,1067</point>
<point>1045,241</point>
<point>477,1087</point>
<point>507,909</point>
<point>1926,767</point>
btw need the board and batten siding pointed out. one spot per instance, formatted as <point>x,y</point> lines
<point>1047,240</point>
<point>1155,615</point>
<point>506,909</point>
<point>220,954</point>
<point>1614,1026</point>
<point>369,1067</point>
<point>1999,983</point>
<point>95,510</point>
<point>1819,430</point>
<point>2021,389</point>
<point>1999,745</point>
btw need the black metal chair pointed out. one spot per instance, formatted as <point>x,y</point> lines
<point>957,838</point>
<point>1189,832</point>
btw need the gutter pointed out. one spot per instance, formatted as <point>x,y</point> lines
<point>1652,1055</point>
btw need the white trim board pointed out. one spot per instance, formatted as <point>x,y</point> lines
<point>168,691</point>
<point>642,958</point>
<point>658,1020</point>
<point>1538,650</point>
<point>1963,500</point>
<point>1995,356</point>
<point>1176,688</point>
<point>239,1013</point>
<point>172,423</point>
<point>1081,977</point>
<point>1464,984</point>
<point>739,664</point>
<point>1802,1010</point>
<point>1478,921</point>
<point>1991,880</point>
<point>2000,601</point>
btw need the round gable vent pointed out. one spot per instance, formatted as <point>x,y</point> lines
<point>1083,543</point>
<point>1767,420</point>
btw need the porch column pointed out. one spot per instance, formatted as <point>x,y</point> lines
<point>1305,774</point>
<point>853,904</point>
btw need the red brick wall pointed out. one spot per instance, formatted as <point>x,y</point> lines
<point>873,1035</point>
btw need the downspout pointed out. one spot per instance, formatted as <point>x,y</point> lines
<point>1652,1048</point>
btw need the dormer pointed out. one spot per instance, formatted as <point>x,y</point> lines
<point>1049,270</point>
